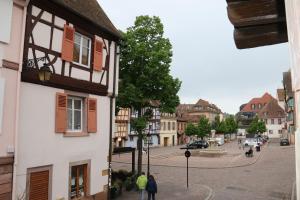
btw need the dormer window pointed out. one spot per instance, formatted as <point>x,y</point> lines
<point>82,50</point>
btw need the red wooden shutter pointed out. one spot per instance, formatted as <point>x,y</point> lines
<point>39,185</point>
<point>61,113</point>
<point>92,115</point>
<point>98,55</point>
<point>68,43</point>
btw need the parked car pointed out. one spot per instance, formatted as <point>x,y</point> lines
<point>220,141</point>
<point>199,144</point>
<point>252,142</point>
<point>284,142</point>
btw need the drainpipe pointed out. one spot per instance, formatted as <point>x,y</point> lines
<point>16,128</point>
<point>112,103</point>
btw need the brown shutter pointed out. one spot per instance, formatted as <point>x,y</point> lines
<point>68,43</point>
<point>98,55</point>
<point>92,115</point>
<point>39,185</point>
<point>61,113</point>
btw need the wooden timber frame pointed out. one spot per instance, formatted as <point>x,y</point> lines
<point>257,22</point>
<point>62,78</point>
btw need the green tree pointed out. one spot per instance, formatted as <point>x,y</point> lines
<point>191,129</point>
<point>204,127</point>
<point>145,73</point>
<point>216,123</point>
<point>231,125</point>
<point>257,126</point>
<point>222,128</point>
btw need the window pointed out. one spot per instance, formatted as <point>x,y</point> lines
<point>74,114</point>
<point>253,106</point>
<point>169,125</point>
<point>82,50</point>
<point>259,106</point>
<point>78,186</point>
<point>266,121</point>
<point>270,132</point>
<point>173,124</point>
<point>272,121</point>
<point>279,121</point>
<point>131,138</point>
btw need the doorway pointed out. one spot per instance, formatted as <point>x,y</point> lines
<point>166,141</point>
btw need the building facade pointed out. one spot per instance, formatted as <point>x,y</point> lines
<point>122,127</point>
<point>168,131</point>
<point>12,20</point>
<point>152,128</point>
<point>274,117</point>
<point>65,122</point>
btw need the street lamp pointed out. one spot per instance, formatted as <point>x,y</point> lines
<point>149,141</point>
<point>44,73</point>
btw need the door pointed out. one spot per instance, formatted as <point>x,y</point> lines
<point>173,140</point>
<point>39,185</point>
<point>165,141</point>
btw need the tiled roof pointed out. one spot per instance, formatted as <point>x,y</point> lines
<point>266,98</point>
<point>91,10</point>
<point>280,94</point>
<point>271,110</point>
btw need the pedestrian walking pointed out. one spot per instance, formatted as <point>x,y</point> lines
<point>151,188</point>
<point>141,183</point>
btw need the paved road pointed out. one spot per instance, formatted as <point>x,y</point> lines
<point>270,178</point>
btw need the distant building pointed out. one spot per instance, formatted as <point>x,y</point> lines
<point>168,131</point>
<point>289,105</point>
<point>274,117</point>
<point>122,127</point>
<point>191,113</point>
<point>267,109</point>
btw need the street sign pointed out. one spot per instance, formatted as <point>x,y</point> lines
<point>187,153</point>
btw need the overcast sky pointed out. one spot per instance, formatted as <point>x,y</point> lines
<point>205,58</point>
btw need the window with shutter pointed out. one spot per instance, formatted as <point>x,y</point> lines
<point>98,55</point>
<point>39,185</point>
<point>61,113</point>
<point>68,43</point>
<point>92,115</point>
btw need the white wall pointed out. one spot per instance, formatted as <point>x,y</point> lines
<point>39,145</point>
<point>293,21</point>
<point>6,7</point>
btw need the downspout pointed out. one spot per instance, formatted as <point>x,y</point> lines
<point>16,129</point>
<point>112,101</point>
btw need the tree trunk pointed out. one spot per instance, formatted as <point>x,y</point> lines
<point>140,147</point>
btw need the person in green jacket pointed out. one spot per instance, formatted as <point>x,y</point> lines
<point>141,182</point>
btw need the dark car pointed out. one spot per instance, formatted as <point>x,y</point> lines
<point>198,144</point>
<point>284,142</point>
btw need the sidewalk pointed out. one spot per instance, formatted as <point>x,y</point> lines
<point>171,191</point>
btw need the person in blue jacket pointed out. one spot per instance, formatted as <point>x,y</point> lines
<point>151,188</point>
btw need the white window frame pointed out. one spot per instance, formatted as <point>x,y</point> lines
<point>80,50</point>
<point>72,110</point>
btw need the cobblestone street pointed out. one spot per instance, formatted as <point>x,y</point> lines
<point>269,174</point>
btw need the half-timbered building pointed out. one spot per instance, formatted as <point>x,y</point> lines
<point>122,127</point>
<point>67,90</point>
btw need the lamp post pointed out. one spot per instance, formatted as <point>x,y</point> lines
<point>148,151</point>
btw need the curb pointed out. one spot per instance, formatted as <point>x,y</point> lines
<point>293,195</point>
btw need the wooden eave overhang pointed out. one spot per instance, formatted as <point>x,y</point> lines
<point>257,22</point>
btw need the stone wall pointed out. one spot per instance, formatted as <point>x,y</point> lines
<point>6,176</point>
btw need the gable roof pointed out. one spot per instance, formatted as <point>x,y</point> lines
<point>266,98</point>
<point>271,110</point>
<point>92,11</point>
